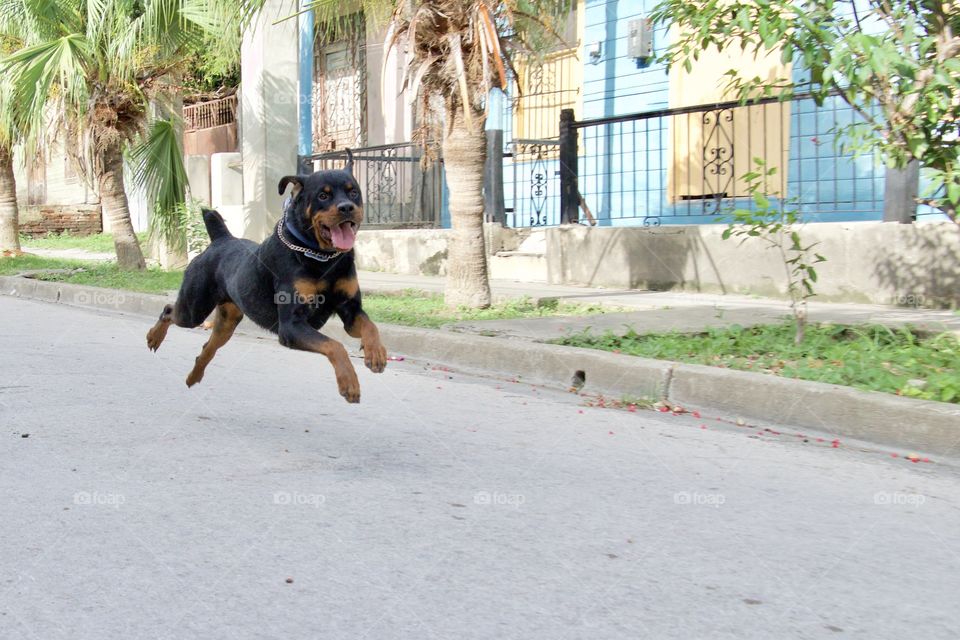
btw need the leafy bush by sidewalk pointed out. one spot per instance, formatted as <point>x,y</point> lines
<point>875,358</point>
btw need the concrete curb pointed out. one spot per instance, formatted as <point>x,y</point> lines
<point>908,423</point>
<point>915,425</point>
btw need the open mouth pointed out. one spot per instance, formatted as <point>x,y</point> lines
<point>341,236</point>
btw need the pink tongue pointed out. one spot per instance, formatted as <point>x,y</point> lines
<point>343,236</point>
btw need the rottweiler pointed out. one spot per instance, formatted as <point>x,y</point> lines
<point>290,284</point>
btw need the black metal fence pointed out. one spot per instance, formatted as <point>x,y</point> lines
<point>398,191</point>
<point>686,166</point>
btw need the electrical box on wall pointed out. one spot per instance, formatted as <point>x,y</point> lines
<point>640,41</point>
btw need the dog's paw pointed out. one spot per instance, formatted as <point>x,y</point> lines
<point>155,337</point>
<point>194,377</point>
<point>375,357</point>
<point>196,374</point>
<point>349,387</point>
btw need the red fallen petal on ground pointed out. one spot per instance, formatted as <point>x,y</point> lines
<point>925,460</point>
<point>609,433</point>
<point>894,455</point>
<point>579,410</point>
<point>820,440</point>
<point>663,409</point>
<point>703,426</point>
<point>632,408</point>
<point>695,414</point>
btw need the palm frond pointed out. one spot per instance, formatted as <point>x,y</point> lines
<point>158,170</point>
<point>456,52</point>
<point>493,43</point>
<point>35,72</point>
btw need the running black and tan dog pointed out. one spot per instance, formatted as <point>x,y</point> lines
<point>290,284</point>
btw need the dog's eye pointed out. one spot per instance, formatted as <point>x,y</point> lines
<point>354,194</point>
<point>324,196</point>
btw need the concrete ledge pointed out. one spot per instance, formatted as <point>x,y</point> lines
<point>532,361</point>
<point>84,296</point>
<point>915,425</point>
<point>867,415</point>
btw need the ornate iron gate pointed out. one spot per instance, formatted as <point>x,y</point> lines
<point>536,183</point>
<point>398,191</point>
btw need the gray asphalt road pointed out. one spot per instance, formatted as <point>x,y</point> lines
<point>442,506</point>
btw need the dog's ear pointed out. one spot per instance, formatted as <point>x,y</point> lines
<point>349,166</point>
<point>297,182</point>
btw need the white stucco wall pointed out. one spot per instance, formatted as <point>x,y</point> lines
<point>268,106</point>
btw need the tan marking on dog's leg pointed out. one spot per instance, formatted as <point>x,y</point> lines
<point>374,353</point>
<point>227,319</point>
<point>308,290</point>
<point>347,382</point>
<point>347,286</point>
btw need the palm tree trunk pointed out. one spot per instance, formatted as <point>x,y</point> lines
<point>9,215</point>
<point>464,153</point>
<point>113,199</point>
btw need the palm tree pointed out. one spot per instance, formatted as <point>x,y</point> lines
<point>11,38</point>
<point>94,67</point>
<point>458,51</point>
<point>9,215</point>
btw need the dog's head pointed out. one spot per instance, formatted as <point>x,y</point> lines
<point>327,206</point>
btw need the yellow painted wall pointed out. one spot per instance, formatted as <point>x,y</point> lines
<point>745,132</point>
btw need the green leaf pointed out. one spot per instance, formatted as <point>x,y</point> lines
<point>953,192</point>
<point>761,200</point>
<point>159,171</point>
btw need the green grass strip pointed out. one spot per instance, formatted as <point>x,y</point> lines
<point>870,357</point>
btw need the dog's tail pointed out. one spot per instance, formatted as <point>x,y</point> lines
<point>216,227</point>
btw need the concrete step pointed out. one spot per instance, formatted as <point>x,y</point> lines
<point>535,242</point>
<point>518,265</point>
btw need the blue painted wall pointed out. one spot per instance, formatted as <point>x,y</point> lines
<point>623,167</point>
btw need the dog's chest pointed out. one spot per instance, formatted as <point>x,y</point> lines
<point>316,298</point>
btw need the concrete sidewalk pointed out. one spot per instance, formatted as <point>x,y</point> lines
<point>643,311</point>
<point>654,311</point>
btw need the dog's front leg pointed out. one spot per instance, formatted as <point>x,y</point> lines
<point>359,325</point>
<point>295,333</point>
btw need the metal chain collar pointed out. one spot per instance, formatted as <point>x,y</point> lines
<point>319,257</point>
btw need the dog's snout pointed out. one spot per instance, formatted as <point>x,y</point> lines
<point>346,208</point>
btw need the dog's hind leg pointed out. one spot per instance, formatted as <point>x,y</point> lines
<point>227,318</point>
<point>159,331</point>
